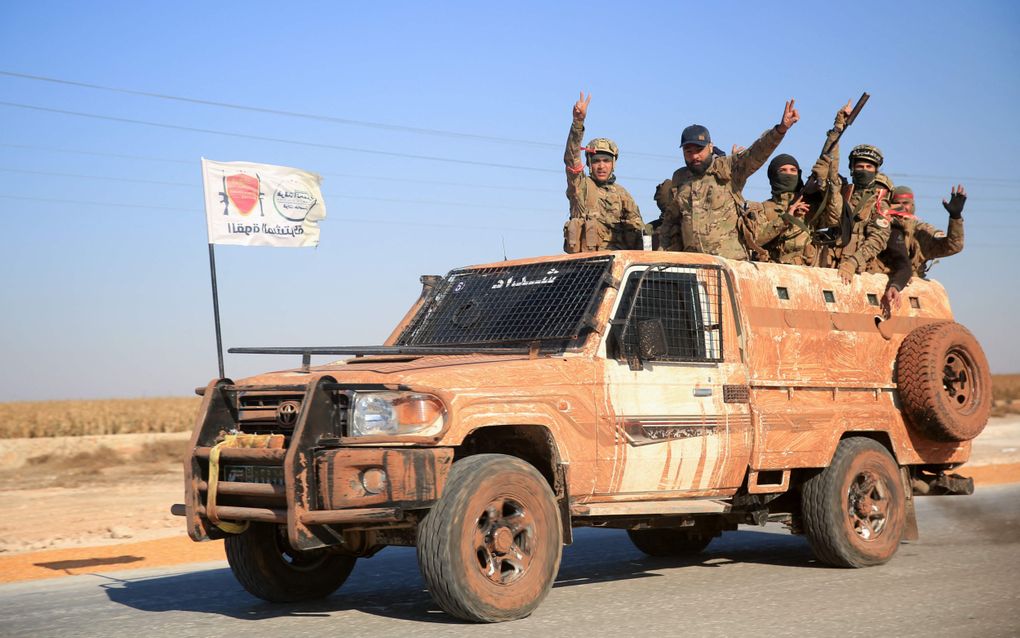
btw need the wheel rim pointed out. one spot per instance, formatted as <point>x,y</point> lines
<point>504,540</point>
<point>959,379</point>
<point>868,503</point>
<point>298,560</point>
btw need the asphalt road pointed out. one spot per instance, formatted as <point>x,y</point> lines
<point>961,579</point>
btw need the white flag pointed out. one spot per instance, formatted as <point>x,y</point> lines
<point>261,204</point>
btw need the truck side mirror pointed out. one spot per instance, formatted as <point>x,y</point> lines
<point>651,338</point>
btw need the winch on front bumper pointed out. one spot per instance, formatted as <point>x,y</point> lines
<point>279,457</point>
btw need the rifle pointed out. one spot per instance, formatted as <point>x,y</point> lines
<point>836,235</point>
<point>813,185</point>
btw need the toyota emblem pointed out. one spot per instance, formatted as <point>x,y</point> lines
<point>287,413</point>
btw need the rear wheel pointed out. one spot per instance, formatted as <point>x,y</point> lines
<point>490,548</point>
<point>266,565</point>
<point>669,541</point>
<point>855,510</point>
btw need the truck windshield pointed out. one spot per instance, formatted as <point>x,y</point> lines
<point>550,301</point>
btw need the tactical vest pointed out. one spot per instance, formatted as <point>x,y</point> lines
<point>858,209</point>
<point>597,224</point>
<point>710,215</point>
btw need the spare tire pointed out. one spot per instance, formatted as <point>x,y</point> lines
<point>944,383</point>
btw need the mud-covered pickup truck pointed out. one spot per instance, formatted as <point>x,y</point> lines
<point>674,395</point>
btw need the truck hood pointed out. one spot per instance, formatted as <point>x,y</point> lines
<point>447,372</point>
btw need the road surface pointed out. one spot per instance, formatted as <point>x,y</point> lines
<point>961,579</point>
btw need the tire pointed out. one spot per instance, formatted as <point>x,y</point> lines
<point>669,541</point>
<point>855,510</point>
<point>268,567</point>
<point>490,548</point>
<point>944,382</point>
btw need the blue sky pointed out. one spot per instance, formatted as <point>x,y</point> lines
<point>105,266</point>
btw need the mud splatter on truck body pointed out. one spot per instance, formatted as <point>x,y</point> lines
<point>672,394</point>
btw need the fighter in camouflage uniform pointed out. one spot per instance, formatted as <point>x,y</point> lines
<point>784,225</point>
<point>865,229</point>
<point>603,215</point>
<point>925,242</point>
<point>702,203</point>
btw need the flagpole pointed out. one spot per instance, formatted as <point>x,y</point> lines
<point>212,276</point>
<point>216,309</point>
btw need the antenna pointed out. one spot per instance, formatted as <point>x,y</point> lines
<point>502,240</point>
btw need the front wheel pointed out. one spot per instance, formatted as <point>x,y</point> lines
<point>266,565</point>
<point>490,548</point>
<point>855,510</point>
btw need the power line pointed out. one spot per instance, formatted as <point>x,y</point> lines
<point>131,180</point>
<point>307,116</point>
<point>388,178</point>
<point>52,200</point>
<point>50,149</point>
<point>392,200</point>
<point>76,202</point>
<point>410,129</point>
<point>262,138</point>
<point>1000,181</point>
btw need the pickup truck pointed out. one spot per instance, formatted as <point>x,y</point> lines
<point>674,395</point>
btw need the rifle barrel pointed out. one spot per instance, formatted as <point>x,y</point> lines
<point>857,108</point>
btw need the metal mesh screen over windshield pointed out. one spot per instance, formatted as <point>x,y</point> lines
<point>511,304</point>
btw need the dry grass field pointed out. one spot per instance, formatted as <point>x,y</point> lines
<point>1005,394</point>
<point>33,419</point>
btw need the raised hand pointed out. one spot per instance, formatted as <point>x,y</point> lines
<point>957,198</point>
<point>842,114</point>
<point>737,149</point>
<point>581,107</point>
<point>790,117</point>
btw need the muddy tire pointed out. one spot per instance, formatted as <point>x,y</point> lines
<point>490,548</point>
<point>855,510</point>
<point>674,542</point>
<point>268,567</point>
<point>944,382</point>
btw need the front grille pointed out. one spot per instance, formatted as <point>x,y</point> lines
<point>268,412</point>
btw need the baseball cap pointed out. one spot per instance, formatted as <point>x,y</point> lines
<point>695,134</point>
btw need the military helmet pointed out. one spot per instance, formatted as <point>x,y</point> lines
<point>884,181</point>
<point>601,145</point>
<point>866,152</point>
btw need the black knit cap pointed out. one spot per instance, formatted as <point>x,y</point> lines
<point>780,160</point>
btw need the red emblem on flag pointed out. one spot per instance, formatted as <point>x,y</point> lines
<point>243,191</point>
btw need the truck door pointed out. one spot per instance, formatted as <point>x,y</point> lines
<point>676,387</point>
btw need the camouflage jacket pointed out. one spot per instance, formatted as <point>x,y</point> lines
<point>787,240</point>
<point>925,242</point>
<point>864,213</point>
<point>602,216</point>
<point>701,213</point>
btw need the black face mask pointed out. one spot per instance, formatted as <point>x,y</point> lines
<point>785,183</point>
<point>699,168</point>
<point>862,178</point>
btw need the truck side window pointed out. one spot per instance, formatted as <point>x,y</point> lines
<point>685,302</point>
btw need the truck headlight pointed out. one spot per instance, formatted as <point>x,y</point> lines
<point>394,413</point>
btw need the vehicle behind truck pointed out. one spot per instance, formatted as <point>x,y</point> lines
<point>674,395</point>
